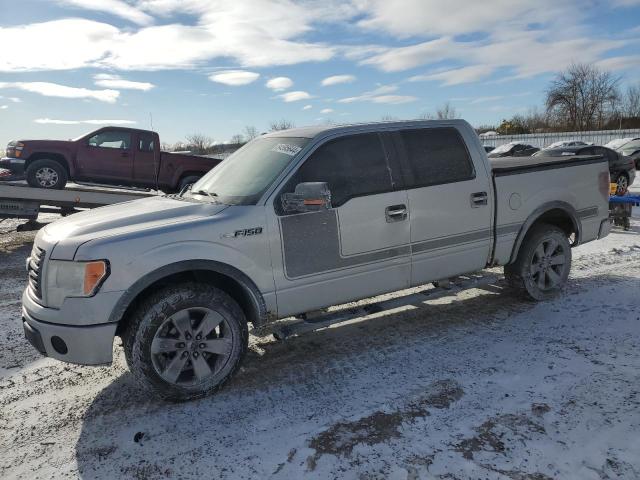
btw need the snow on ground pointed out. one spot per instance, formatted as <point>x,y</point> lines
<point>474,385</point>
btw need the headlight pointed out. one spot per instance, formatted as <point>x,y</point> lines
<point>14,149</point>
<point>73,279</point>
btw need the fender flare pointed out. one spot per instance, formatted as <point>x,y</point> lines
<point>537,213</point>
<point>55,156</point>
<point>253,293</point>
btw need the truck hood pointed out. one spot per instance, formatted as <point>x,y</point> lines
<point>47,143</point>
<point>127,218</point>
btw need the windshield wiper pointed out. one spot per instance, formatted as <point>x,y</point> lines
<point>204,192</point>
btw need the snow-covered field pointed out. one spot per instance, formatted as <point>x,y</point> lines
<point>473,385</point>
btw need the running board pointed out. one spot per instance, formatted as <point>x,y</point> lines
<point>447,288</point>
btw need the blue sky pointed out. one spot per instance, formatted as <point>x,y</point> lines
<point>213,67</point>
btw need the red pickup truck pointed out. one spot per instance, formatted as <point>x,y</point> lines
<point>110,155</point>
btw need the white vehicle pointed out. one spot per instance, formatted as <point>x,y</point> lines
<point>567,143</point>
<point>618,142</point>
<point>293,222</point>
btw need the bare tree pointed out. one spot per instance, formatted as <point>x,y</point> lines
<point>237,139</point>
<point>631,102</point>
<point>388,118</point>
<point>199,143</point>
<point>281,125</point>
<point>426,116</point>
<point>582,97</point>
<point>446,112</point>
<point>250,132</point>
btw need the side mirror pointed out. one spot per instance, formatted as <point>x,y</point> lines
<point>307,197</point>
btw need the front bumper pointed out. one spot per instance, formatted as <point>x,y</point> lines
<point>14,165</point>
<point>89,345</point>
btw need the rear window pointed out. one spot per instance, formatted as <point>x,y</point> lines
<point>436,156</point>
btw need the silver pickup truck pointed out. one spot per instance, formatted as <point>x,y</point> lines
<point>293,222</point>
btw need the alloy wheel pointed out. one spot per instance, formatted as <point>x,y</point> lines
<point>191,346</point>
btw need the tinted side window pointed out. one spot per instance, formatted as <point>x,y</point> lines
<point>111,139</point>
<point>352,166</point>
<point>437,155</point>
<point>145,142</point>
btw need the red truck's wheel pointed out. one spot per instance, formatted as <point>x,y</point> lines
<point>46,174</point>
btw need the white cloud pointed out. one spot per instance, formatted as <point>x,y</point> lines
<point>52,121</point>
<point>406,18</point>
<point>114,7</point>
<point>457,76</point>
<point>486,99</point>
<point>307,107</point>
<point>55,90</point>
<point>336,79</point>
<point>56,45</point>
<point>234,77</point>
<point>4,107</point>
<point>380,95</point>
<point>294,96</point>
<point>11,99</point>
<point>115,81</point>
<point>326,110</point>
<point>253,33</point>
<point>403,58</point>
<point>279,84</point>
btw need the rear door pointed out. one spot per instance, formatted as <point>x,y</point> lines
<point>106,156</point>
<point>450,202</point>
<point>144,164</point>
<point>357,248</point>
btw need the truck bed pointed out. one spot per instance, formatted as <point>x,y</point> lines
<point>513,165</point>
<point>526,185</point>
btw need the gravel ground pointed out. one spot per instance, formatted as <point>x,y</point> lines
<point>474,385</point>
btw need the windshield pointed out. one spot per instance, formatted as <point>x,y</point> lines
<point>617,143</point>
<point>244,176</point>
<point>630,146</point>
<point>503,148</point>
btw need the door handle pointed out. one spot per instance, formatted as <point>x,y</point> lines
<point>395,213</point>
<point>478,199</point>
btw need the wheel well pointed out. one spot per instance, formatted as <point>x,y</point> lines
<point>227,284</point>
<point>56,157</point>
<point>558,217</point>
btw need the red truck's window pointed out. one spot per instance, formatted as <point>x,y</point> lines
<point>111,139</point>
<point>145,142</point>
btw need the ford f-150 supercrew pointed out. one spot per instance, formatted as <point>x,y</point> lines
<point>110,155</point>
<point>293,222</point>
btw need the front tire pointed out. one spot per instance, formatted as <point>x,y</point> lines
<point>543,263</point>
<point>190,180</point>
<point>185,341</point>
<point>47,174</point>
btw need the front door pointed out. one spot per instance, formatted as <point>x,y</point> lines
<point>106,156</point>
<point>357,248</point>
<point>450,202</point>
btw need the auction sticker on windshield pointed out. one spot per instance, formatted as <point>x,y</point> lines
<point>286,148</point>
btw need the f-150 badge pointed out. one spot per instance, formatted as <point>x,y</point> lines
<point>246,232</point>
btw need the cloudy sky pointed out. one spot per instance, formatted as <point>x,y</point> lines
<point>214,66</point>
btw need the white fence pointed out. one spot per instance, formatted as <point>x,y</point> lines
<point>543,139</point>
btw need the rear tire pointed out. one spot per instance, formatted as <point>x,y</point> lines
<point>185,341</point>
<point>47,174</point>
<point>543,263</point>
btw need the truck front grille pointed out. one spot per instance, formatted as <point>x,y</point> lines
<point>35,271</point>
